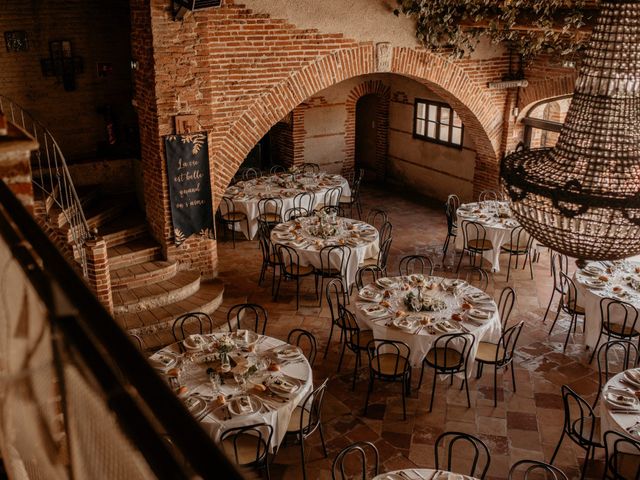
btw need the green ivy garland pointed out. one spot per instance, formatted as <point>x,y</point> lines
<point>552,26</point>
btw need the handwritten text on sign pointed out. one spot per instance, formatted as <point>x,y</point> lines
<point>189,185</point>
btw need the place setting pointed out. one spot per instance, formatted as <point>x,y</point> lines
<point>417,309</point>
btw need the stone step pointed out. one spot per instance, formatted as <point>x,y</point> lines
<point>154,326</point>
<point>105,211</point>
<point>58,217</point>
<point>124,229</point>
<point>146,297</point>
<point>141,250</point>
<point>142,274</point>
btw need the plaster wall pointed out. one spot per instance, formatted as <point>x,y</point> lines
<point>429,168</point>
<point>432,169</point>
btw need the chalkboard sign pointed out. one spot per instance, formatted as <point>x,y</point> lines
<point>189,185</point>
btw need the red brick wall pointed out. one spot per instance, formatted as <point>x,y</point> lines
<point>282,146</point>
<point>99,32</point>
<point>241,72</point>
<point>382,121</point>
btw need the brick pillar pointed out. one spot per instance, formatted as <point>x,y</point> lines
<point>15,164</point>
<point>99,277</point>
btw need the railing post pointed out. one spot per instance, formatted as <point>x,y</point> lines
<point>99,276</point>
<point>15,164</point>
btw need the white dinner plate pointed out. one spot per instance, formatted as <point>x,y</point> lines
<point>633,376</point>
<point>375,310</point>
<point>594,283</point>
<point>370,295</point>
<point>244,337</point>
<point>386,282</point>
<point>283,386</point>
<point>288,352</point>
<point>479,315</point>
<point>621,398</point>
<point>404,323</point>
<point>244,405</point>
<point>475,297</point>
<point>195,342</point>
<point>164,360</point>
<point>195,404</point>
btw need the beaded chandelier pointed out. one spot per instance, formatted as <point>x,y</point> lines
<point>582,197</point>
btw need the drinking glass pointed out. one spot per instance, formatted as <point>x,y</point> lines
<point>241,381</point>
<point>225,364</point>
<point>416,304</point>
<point>214,379</point>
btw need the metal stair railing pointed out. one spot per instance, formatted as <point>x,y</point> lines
<point>52,179</point>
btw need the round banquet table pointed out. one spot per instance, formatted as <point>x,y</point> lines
<point>622,418</point>
<point>421,474</point>
<point>301,235</point>
<point>618,280</point>
<point>246,195</point>
<point>496,218</point>
<point>381,307</point>
<point>275,410</point>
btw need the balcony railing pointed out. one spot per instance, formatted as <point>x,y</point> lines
<point>77,399</point>
<point>52,182</point>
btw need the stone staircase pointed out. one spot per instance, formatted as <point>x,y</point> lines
<point>148,291</point>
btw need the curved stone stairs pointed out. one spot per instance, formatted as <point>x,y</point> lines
<point>148,291</point>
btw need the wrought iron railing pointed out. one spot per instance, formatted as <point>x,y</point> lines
<point>77,398</point>
<point>52,182</point>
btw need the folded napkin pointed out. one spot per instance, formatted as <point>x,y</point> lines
<point>283,385</point>
<point>243,404</point>
<point>474,312</point>
<point>162,360</point>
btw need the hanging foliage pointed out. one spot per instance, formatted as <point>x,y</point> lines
<point>529,27</point>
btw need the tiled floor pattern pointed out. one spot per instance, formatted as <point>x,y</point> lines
<point>525,424</point>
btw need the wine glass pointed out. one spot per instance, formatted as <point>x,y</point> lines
<point>416,304</point>
<point>241,381</point>
<point>225,364</point>
<point>214,379</point>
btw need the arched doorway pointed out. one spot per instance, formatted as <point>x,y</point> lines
<point>367,125</point>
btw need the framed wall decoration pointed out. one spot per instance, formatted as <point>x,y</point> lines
<point>16,41</point>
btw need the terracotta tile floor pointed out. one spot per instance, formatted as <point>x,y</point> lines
<point>526,424</point>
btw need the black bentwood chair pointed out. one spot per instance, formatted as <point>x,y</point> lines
<point>421,264</point>
<point>336,295</point>
<point>524,468</point>
<point>389,362</point>
<point>230,218</point>
<point>467,444</point>
<point>580,425</point>
<point>500,355</point>
<point>359,449</point>
<point>618,321</point>
<point>190,323</point>
<point>353,338</point>
<point>248,446</point>
<point>306,419</point>
<point>448,356</point>
<point>623,457</point>
<point>475,242</point>
<point>253,314</point>
<point>607,355</point>
<point>377,217</point>
<point>302,338</point>
<point>505,305</point>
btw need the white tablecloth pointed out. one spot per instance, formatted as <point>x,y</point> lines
<point>246,195</point>
<point>197,381</point>
<point>617,422</point>
<point>421,474</point>
<point>360,237</point>
<point>422,341</point>
<point>498,229</point>
<point>589,297</point>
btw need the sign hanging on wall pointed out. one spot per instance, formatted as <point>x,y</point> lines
<point>189,185</point>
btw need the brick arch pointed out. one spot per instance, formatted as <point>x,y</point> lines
<point>369,87</point>
<point>548,88</point>
<point>447,79</point>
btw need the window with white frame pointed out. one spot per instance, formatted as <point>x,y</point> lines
<point>437,122</point>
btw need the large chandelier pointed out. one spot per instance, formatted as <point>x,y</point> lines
<point>582,197</point>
